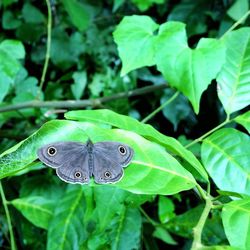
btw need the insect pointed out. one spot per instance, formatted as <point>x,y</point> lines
<point>77,162</point>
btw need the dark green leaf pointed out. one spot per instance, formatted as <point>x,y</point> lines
<point>36,209</point>
<point>32,15</point>
<point>80,82</point>
<point>79,13</point>
<point>164,235</point>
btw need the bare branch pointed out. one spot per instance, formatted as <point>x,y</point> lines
<point>82,103</point>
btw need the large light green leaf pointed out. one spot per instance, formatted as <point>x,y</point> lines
<point>145,130</point>
<point>152,170</point>
<point>135,39</point>
<point>244,120</point>
<point>66,228</point>
<point>226,156</point>
<point>188,70</point>
<point>236,221</point>
<point>36,209</point>
<point>233,80</point>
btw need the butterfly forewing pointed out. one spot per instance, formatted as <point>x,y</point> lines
<point>70,159</point>
<point>118,152</point>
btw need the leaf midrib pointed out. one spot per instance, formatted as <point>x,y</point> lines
<point>68,219</point>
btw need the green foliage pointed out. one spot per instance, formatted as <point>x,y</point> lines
<point>233,82</point>
<point>105,70</point>
<point>235,217</point>
<point>171,42</point>
<point>226,156</point>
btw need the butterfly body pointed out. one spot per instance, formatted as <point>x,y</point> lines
<point>77,162</point>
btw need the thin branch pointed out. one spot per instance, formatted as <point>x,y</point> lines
<point>208,133</point>
<point>46,62</point>
<point>160,108</point>
<point>82,103</point>
<point>12,239</point>
<point>236,24</point>
<point>197,243</point>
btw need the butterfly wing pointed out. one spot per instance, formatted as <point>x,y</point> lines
<point>70,160</point>
<point>109,160</point>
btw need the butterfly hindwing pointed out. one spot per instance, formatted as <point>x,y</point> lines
<point>109,160</point>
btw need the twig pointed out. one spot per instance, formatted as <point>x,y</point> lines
<point>197,243</point>
<point>160,108</point>
<point>12,239</point>
<point>208,133</point>
<point>46,62</point>
<point>236,24</point>
<point>81,103</point>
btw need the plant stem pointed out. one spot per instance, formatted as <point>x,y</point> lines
<point>151,221</point>
<point>46,62</point>
<point>160,108</point>
<point>82,103</point>
<point>12,239</point>
<point>200,225</point>
<point>236,24</point>
<point>208,133</point>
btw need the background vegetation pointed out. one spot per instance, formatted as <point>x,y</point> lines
<point>78,69</point>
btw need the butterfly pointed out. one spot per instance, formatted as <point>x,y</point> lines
<point>77,162</point>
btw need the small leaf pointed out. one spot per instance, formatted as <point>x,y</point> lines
<point>111,118</point>
<point>144,5</point>
<point>117,4</point>
<point>135,39</point>
<point>14,48</point>
<point>226,155</point>
<point>32,15</point>
<point>188,70</point>
<point>5,83</point>
<point>177,110</point>
<point>80,82</point>
<point>164,235</point>
<point>233,80</point>
<point>244,120</point>
<point>79,13</point>
<point>9,21</point>
<point>165,209</point>
<point>38,210</point>
<point>236,221</point>
<point>66,227</point>
<point>238,9</point>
